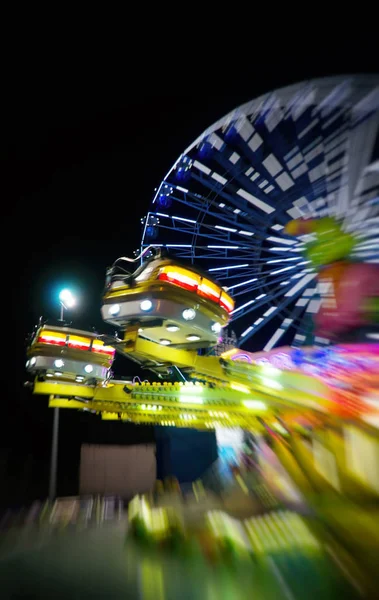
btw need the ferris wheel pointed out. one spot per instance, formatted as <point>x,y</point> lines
<point>308,150</point>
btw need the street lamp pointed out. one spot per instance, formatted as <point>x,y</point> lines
<point>67,301</point>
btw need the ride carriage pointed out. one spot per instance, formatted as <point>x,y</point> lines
<point>172,304</point>
<point>59,352</point>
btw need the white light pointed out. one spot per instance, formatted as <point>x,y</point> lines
<point>79,378</point>
<point>272,238</point>
<point>270,370</point>
<point>231,229</point>
<point>247,331</point>
<point>372,336</point>
<point>193,338</point>
<point>59,363</point>
<point>270,383</point>
<point>284,283</point>
<point>257,404</point>
<point>248,233</point>
<point>164,342</point>
<point>278,260</point>
<point>282,270</point>
<point>191,400</point>
<point>114,309</point>
<point>67,298</point>
<point>216,327</point>
<point>224,247</point>
<point>146,305</point>
<point>172,328</point>
<point>33,361</point>
<point>229,267</point>
<point>57,373</point>
<point>238,387</point>
<point>233,287</point>
<point>243,306</point>
<point>49,374</point>
<point>222,205</point>
<point>88,368</point>
<point>189,314</point>
<point>185,220</point>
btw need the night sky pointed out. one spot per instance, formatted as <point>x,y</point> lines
<point>80,172</point>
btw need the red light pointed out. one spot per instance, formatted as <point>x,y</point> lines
<point>209,290</point>
<point>185,280</point>
<point>78,345</point>
<point>100,349</point>
<point>52,340</point>
<point>226,303</point>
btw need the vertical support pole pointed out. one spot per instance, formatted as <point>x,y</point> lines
<point>54,457</point>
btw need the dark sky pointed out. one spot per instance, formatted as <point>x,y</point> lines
<point>81,164</point>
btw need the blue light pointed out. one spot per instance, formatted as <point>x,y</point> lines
<point>205,150</point>
<point>164,201</point>
<point>152,232</point>
<point>182,174</point>
<point>297,357</point>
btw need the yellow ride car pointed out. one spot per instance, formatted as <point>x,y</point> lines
<point>69,354</point>
<point>172,304</point>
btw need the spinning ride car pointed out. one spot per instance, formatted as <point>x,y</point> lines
<point>69,354</point>
<point>166,302</point>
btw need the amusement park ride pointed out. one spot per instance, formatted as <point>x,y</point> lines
<point>310,210</point>
<point>170,316</point>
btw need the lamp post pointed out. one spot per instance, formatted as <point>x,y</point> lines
<point>66,300</point>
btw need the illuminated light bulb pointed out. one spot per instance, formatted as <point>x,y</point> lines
<point>164,342</point>
<point>193,338</point>
<point>216,327</point>
<point>189,314</point>
<point>270,370</point>
<point>67,298</point>
<point>146,305</point>
<point>59,363</point>
<point>257,404</point>
<point>240,388</point>
<point>172,328</point>
<point>272,384</point>
<point>114,309</point>
<point>88,368</point>
<point>191,400</point>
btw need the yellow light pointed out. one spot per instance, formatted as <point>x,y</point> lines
<point>191,400</point>
<point>240,388</point>
<point>270,370</point>
<point>257,404</point>
<point>272,384</point>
